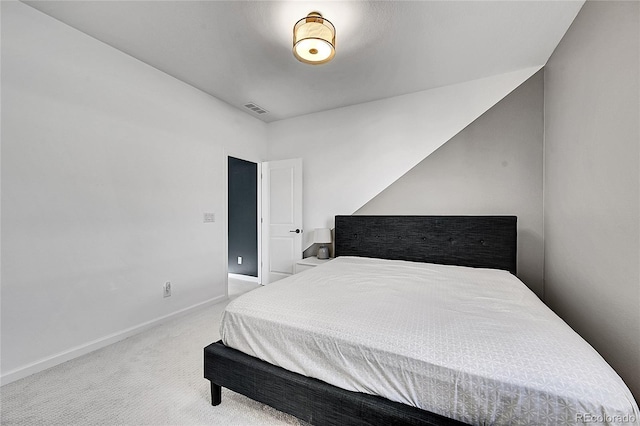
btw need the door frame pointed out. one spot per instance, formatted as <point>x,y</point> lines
<point>260,218</point>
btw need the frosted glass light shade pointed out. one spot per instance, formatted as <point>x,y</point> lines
<point>314,39</point>
<point>322,236</point>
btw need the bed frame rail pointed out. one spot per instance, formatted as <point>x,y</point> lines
<point>308,399</point>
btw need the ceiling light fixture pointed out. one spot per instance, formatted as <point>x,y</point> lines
<point>314,39</point>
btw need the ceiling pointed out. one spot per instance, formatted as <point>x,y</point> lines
<point>240,51</point>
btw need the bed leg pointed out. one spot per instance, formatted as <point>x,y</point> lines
<point>216,394</point>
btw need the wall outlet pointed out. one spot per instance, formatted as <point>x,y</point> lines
<point>239,260</point>
<point>166,289</point>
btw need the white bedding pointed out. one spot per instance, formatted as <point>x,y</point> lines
<point>471,344</point>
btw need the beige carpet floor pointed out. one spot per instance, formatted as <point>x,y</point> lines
<point>153,378</point>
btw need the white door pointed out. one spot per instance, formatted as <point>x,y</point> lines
<point>282,218</point>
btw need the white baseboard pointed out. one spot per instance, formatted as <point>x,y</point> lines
<point>243,277</point>
<point>84,349</point>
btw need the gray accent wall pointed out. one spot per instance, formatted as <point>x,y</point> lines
<point>492,167</point>
<point>592,182</point>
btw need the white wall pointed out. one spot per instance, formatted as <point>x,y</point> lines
<point>492,167</point>
<point>351,154</point>
<point>107,168</point>
<point>592,182</point>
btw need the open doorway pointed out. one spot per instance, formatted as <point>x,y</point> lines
<point>243,226</point>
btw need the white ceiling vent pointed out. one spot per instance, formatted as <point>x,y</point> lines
<point>255,108</point>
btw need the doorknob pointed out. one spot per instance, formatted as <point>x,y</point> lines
<point>297,231</point>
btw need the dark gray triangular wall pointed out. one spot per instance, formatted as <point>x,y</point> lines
<point>493,166</point>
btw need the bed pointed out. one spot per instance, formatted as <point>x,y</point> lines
<point>436,330</point>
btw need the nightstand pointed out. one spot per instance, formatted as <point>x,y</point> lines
<point>308,263</point>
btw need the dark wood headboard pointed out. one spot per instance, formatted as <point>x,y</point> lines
<point>477,241</point>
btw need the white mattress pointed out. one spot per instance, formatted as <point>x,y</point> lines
<point>471,344</point>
